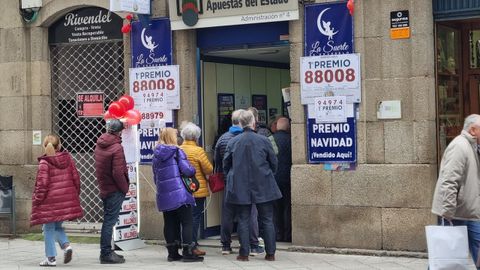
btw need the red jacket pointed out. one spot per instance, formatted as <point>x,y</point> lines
<point>110,165</point>
<point>57,190</point>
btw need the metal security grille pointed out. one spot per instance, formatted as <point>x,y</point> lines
<point>96,67</point>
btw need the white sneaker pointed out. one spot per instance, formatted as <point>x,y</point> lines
<point>67,255</point>
<point>226,250</point>
<point>261,242</point>
<point>47,262</point>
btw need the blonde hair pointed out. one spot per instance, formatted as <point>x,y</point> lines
<point>168,136</point>
<point>51,144</point>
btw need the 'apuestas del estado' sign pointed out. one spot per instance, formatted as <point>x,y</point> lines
<point>212,13</point>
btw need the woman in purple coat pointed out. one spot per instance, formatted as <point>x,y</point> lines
<point>169,163</point>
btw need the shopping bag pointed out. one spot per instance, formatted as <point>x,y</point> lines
<point>216,182</point>
<point>447,247</point>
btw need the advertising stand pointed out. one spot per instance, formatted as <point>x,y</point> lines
<point>125,232</point>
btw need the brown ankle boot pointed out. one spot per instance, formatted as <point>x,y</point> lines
<point>242,258</point>
<point>270,257</point>
<point>188,256</point>
<point>198,252</point>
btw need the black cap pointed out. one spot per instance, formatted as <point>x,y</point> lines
<point>114,126</point>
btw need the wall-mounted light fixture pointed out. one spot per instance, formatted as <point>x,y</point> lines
<point>29,9</point>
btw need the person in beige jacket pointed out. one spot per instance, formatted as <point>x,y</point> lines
<point>457,193</point>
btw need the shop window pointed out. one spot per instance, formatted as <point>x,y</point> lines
<point>450,100</point>
<point>474,37</point>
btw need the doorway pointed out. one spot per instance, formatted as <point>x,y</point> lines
<point>240,67</point>
<point>458,76</point>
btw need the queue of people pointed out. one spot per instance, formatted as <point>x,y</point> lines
<point>253,192</point>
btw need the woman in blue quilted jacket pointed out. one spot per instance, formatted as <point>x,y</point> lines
<point>176,203</point>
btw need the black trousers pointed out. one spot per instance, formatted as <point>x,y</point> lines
<point>283,215</point>
<point>178,225</point>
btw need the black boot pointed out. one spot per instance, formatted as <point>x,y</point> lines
<point>173,252</point>
<point>188,255</point>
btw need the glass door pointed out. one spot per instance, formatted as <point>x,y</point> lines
<point>458,77</point>
<point>473,72</point>
<point>449,84</point>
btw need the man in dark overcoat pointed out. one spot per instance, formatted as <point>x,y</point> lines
<point>283,211</point>
<point>249,165</point>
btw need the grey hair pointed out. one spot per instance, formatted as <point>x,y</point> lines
<point>235,116</point>
<point>470,120</point>
<point>246,119</point>
<point>191,132</point>
<point>254,112</point>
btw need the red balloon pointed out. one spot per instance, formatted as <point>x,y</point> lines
<point>350,6</point>
<point>107,115</point>
<point>126,28</point>
<point>116,109</point>
<point>127,102</point>
<point>133,117</point>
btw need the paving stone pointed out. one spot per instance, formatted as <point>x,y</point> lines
<point>24,255</point>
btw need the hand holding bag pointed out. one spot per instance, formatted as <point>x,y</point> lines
<point>216,181</point>
<point>447,247</point>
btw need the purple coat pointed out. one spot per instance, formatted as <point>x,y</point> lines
<point>171,193</point>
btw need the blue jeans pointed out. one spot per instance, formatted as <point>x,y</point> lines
<point>265,220</point>
<point>53,232</point>
<point>265,217</point>
<point>111,208</point>
<point>197,217</point>
<point>254,227</point>
<point>243,215</point>
<point>473,228</point>
<point>228,217</point>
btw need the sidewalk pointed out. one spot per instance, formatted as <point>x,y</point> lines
<point>23,254</point>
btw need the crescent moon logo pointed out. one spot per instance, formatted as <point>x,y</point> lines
<point>324,26</point>
<point>147,41</point>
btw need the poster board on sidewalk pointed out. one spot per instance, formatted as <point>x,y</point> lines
<point>125,231</point>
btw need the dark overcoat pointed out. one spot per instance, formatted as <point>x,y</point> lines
<point>250,165</point>
<point>283,141</point>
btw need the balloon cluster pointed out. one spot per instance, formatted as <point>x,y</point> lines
<point>126,28</point>
<point>123,110</point>
<point>350,6</point>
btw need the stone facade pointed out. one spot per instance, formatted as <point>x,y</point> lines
<point>383,204</point>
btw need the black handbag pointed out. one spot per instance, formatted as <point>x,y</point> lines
<point>191,183</point>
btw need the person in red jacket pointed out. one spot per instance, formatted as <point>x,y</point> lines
<point>112,176</point>
<point>55,198</point>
